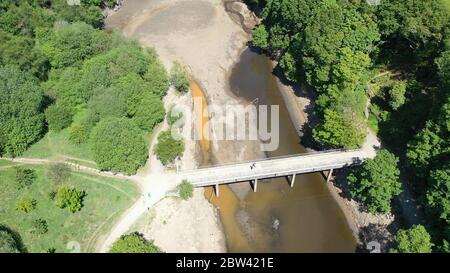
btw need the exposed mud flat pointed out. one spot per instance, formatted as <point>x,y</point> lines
<point>201,35</point>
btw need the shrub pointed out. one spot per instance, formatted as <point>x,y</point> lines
<point>70,198</point>
<point>25,177</point>
<point>174,116</point>
<point>134,243</point>
<point>185,190</point>
<point>168,148</point>
<point>78,134</point>
<point>179,77</point>
<point>413,240</point>
<point>26,204</point>
<point>397,95</point>
<point>39,226</point>
<point>59,173</point>
<point>58,117</point>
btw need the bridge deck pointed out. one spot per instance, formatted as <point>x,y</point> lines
<point>272,167</point>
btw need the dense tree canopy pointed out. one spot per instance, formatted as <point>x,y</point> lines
<point>118,145</point>
<point>169,147</point>
<point>377,182</point>
<point>395,52</point>
<point>21,111</point>
<point>413,240</point>
<point>328,45</point>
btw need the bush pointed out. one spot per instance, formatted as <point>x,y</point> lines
<point>25,177</point>
<point>413,240</point>
<point>168,148</point>
<point>26,204</point>
<point>185,190</point>
<point>70,198</point>
<point>59,173</point>
<point>134,243</point>
<point>397,95</point>
<point>118,145</point>
<point>179,77</point>
<point>39,226</point>
<point>174,116</point>
<point>78,134</point>
<point>58,117</point>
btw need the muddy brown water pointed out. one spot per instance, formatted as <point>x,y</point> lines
<point>278,218</point>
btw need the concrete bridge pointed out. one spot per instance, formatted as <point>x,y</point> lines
<point>274,167</point>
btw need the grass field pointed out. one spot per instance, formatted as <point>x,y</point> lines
<point>56,145</point>
<point>105,201</point>
<point>446,4</point>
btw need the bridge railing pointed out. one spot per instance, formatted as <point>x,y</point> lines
<point>312,153</point>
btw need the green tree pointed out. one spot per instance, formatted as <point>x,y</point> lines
<point>20,51</point>
<point>185,190</point>
<point>413,240</point>
<point>39,226</point>
<point>413,29</point>
<point>438,194</point>
<point>71,198</point>
<point>118,145</point>
<point>24,177</point>
<point>376,183</point>
<point>7,243</point>
<point>105,103</point>
<point>149,113</point>
<point>397,95</point>
<point>168,147</point>
<point>260,37</point>
<point>26,204</point>
<point>71,44</point>
<point>134,243</point>
<point>179,77</point>
<point>340,130</point>
<point>58,117</point>
<point>21,117</point>
<point>24,18</point>
<point>89,13</point>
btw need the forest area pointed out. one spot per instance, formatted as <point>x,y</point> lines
<point>70,89</point>
<point>61,74</point>
<point>383,65</point>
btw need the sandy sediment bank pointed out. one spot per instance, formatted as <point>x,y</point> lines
<point>200,35</point>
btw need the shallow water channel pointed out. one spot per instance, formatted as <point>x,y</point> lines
<point>278,218</point>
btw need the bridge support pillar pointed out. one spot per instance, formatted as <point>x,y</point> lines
<point>255,185</point>
<point>216,187</point>
<point>293,180</point>
<point>330,173</point>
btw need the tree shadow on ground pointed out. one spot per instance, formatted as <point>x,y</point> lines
<point>17,238</point>
<point>376,238</point>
